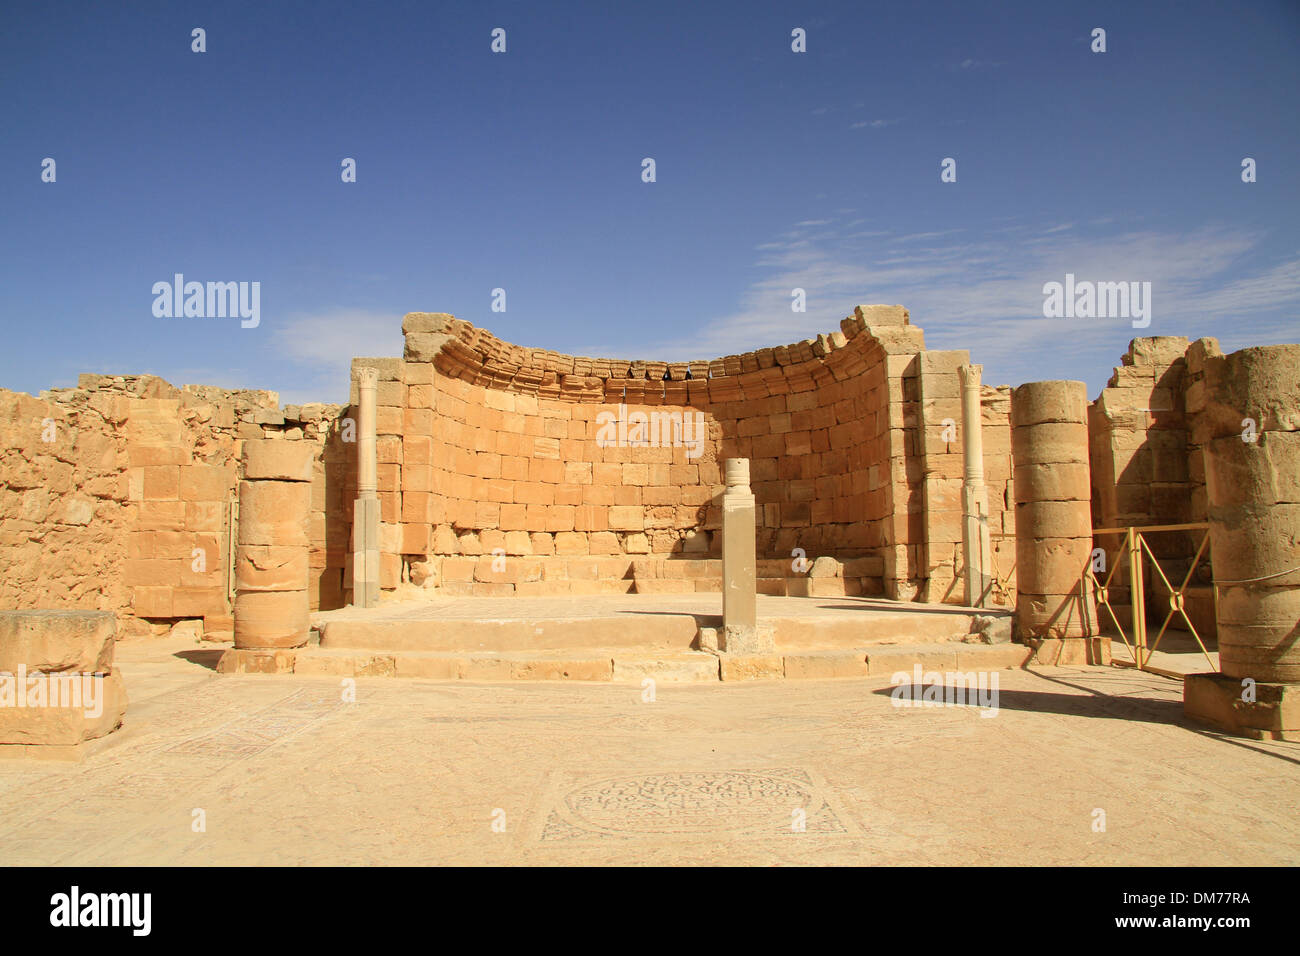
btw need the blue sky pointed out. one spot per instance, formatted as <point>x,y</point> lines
<point>522,171</point>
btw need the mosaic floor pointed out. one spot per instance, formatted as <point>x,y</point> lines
<point>1076,766</point>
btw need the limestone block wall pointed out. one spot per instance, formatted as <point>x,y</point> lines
<point>938,547</point>
<point>488,448</point>
<point>128,506</point>
<point>484,445</point>
<point>63,503</point>
<point>935,501</point>
<point>1139,440</point>
<point>1147,466</point>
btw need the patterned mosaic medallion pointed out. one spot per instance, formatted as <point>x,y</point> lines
<point>768,802</point>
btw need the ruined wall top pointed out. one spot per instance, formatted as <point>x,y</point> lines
<point>464,351</point>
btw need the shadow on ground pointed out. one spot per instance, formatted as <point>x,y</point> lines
<point>204,658</point>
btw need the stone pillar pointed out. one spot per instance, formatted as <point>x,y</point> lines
<point>271,550</point>
<point>1252,484</point>
<point>365,512</point>
<point>976,550</point>
<point>1049,451</point>
<point>741,633</point>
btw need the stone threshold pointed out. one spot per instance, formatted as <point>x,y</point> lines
<point>625,665</point>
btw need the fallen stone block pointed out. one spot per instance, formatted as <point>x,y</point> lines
<point>63,709</point>
<point>53,641</point>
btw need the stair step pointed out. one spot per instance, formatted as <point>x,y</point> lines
<point>626,666</point>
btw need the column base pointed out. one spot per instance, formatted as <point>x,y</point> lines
<point>731,639</point>
<point>1070,651</point>
<point>1216,699</point>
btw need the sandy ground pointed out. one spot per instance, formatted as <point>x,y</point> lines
<point>285,771</point>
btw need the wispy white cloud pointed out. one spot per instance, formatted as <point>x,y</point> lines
<point>323,345</point>
<point>986,294</point>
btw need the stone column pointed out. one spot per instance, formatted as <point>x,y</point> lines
<point>740,631</point>
<point>1049,451</point>
<point>271,550</point>
<point>1252,485</point>
<point>365,513</point>
<point>1253,490</point>
<point>976,549</point>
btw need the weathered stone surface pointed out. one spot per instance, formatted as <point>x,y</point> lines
<point>992,630</point>
<point>271,568</point>
<point>425,346</point>
<point>759,667</point>
<point>65,725</point>
<point>426,322</point>
<point>747,639</point>
<point>1056,519</point>
<point>1050,565</point>
<point>1050,443</point>
<point>739,567</point>
<point>1057,482</point>
<point>279,460</point>
<point>244,661</point>
<point>1262,384</point>
<point>695,669</point>
<point>1264,472</point>
<point>1053,401</point>
<point>825,664</point>
<point>53,641</point>
<point>274,513</point>
<point>190,630</point>
<point>1221,701</point>
<point>270,619</point>
<point>825,567</point>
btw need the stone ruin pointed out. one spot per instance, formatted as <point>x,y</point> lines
<point>875,467</point>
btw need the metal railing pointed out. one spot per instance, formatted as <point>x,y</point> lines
<point>1135,543</point>
<point>1000,588</point>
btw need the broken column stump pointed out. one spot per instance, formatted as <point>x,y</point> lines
<point>271,558</point>
<point>1252,483</point>
<point>1049,451</point>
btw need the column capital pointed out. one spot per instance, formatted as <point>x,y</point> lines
<point>737,474</point>
<point>970,375</point>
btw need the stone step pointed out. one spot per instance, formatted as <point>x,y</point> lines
<point>558,575</point>
<point>628,666</point>
<point>664,630</point>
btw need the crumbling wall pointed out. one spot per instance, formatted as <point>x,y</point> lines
<point>488,448</point>
<point>63,503</point>
<point>118,495</point>
<point>1147,470</point>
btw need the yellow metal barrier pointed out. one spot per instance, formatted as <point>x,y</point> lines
<point>1134,545</point>
<point>1000,590</point>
